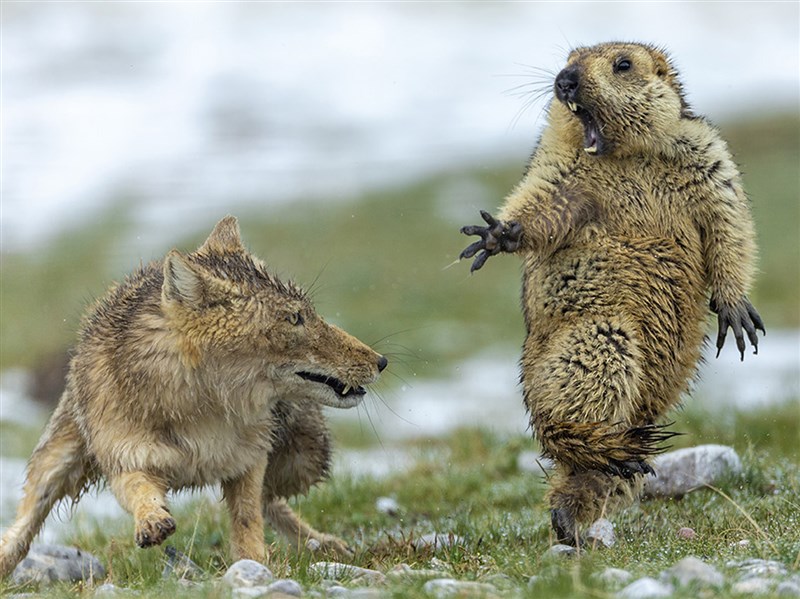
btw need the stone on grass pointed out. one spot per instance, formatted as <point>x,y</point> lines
<point>247,573</point>
<point>600,534</point>
<point>109,590</point>
<point>754,568</point>
<point>646,588</point>
<point>560,551</point>
<point>286,586</point>
<point>436,540</point>
<point>180,566</point>
<point>693,571</point>
<point>401,571</point>
<point>46,564</point>
<point>388,506</point>
<point>788,588</point>
<point>450,587</point>
<point>686,533</point>
<point>753,586</point>
<point>684,470</point>
<point>613,577</point>
<point>340,571</point>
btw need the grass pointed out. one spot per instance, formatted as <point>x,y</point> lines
<point>468,484</point>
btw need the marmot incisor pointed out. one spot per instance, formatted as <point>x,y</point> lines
<point>630,218</point>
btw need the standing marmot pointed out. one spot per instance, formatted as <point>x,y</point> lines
<point>630,212</point>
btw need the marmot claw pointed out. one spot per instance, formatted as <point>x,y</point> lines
<point>628,468</point>
<point>740,316</point>
<point>497,237</point>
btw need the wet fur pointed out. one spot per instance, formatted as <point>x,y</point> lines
<point>185,375</point>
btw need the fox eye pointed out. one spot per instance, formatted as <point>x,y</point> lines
<point>622,64</point>
<point>295,319</point>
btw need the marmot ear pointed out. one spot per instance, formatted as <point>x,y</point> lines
<point>224,238</point>
<point>183,282</point>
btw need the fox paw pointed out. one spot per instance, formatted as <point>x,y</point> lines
<point>155,529</point>
<point>324,543</point>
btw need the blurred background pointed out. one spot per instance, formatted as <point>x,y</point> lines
<point>352,141</point>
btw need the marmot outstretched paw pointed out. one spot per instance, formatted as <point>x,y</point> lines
<point>497,237</point>
<point>739,316</point>
<point>628,468</point>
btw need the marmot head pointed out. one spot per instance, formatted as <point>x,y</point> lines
<point>618,98</point>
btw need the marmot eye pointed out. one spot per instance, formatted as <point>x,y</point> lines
<point>622,65</point>
<point>295,319</point>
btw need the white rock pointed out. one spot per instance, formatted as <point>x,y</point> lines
<point>646,588</point>
<point>613,577</point>
<point>691,570</point>
<point>600,534</point>
<point>340,571</point>
<point>560,551</point>
<point>287,586</point>
<point>753,586</point>
<point>450,587</point>
<point>247,573</point>
<point>754,568</point>
<point>249,592</point>
<point>788,588</point>
<point>388,506</point>
<point>684,470</point>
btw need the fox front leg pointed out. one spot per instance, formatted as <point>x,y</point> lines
<point>496,237</point>
<point>737,317</point>
<point>243,496</point>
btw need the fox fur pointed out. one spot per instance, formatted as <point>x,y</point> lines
<point>197,369</point>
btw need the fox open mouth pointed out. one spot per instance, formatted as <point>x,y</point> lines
<point>592,142</point>
<point>341,389</point>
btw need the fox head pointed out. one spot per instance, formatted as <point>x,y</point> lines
<point>227,309</point>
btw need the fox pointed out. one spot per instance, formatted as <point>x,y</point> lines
<point>199,368</point>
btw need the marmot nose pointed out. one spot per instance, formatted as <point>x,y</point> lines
<point>567,83</point>
<point>382,363</point>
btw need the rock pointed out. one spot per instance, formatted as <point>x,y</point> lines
<point>286,586</point>
<point>686,533</point>
<point>388,506</point>
<point>693,571</point>
<point>337,591</point>
<point>450,587</point>
<point>788,588</point>
<point>684,470</point>
<point>180,566</point>
<point>109,590</point>
<point>533,463</point>
<point>560,551</point>
<point>405,571</point>
<point>437,540</point>
<point>247,573</point>
<point>613,577</point>
<point>753,586</point>
<point>753,568</point>
<point>365,593</point>
<point>339,571</point>
<point>53,563</point>
<point>600,534</point>
<point>249,592</point>
<point>646,588</point>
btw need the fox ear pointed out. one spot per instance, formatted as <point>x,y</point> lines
<point>224,238</point>
<point>183,282</point>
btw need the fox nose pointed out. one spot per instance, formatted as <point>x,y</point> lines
<point>382,363</point>
<point>567,83</point>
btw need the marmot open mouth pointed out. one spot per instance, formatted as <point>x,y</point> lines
<point>338,386</point>
<point>592,142</point>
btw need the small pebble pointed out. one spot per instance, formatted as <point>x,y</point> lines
<point>388,506</point>
<point>247,573</point>
<point>691,570</point>
<point>686,533</point>
<point>613,577</point>
<point>450,587</point>
<point>45,564</point>
<point>286,586</point>
<point>600,534</point>
<point>646,588</point>
<point>684,470</point>
<point>339,571</point>
<point>560,551</point>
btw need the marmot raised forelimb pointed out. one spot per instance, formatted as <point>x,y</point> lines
<point>630,220</point>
